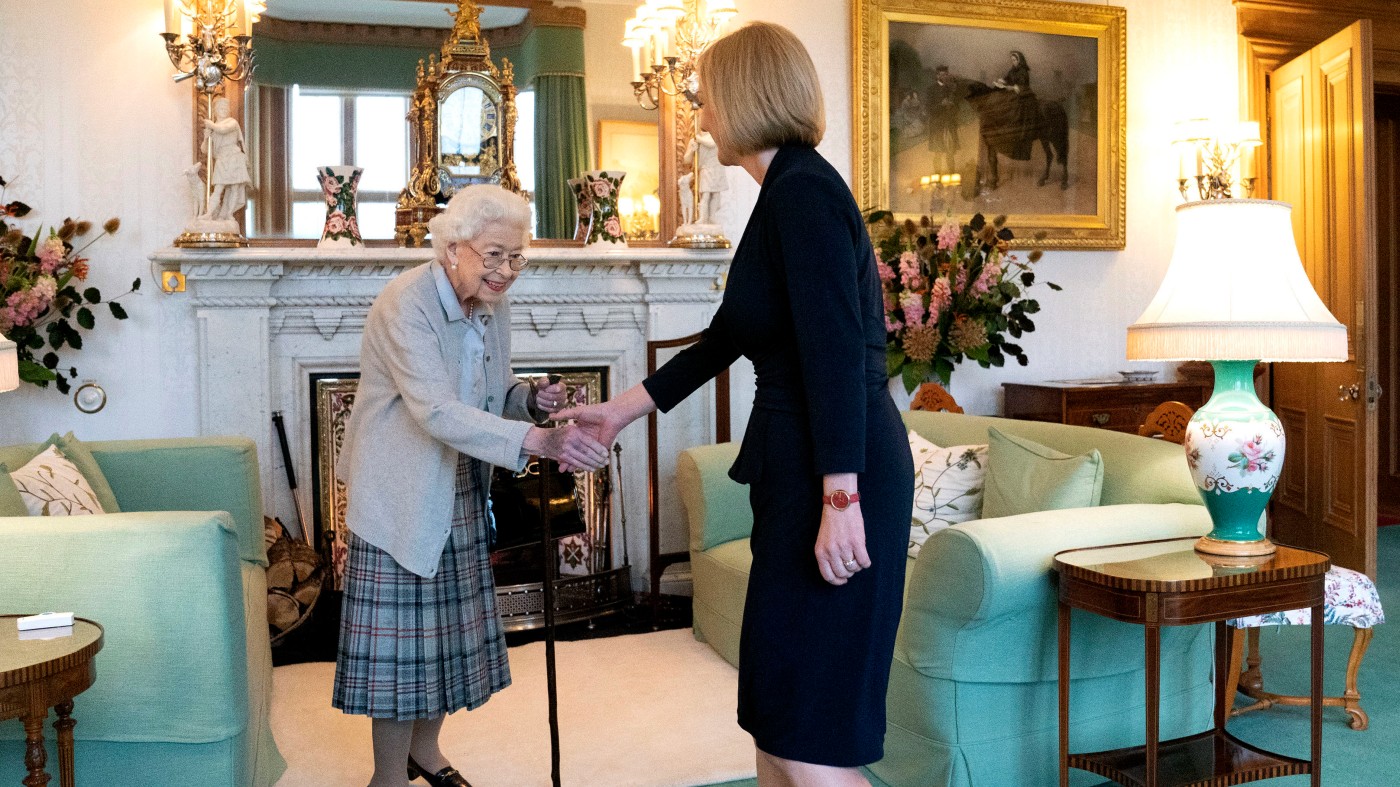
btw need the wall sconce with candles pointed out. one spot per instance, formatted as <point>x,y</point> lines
<point>943,188</point>
<point>1219,154</point>
<point>211,41</point>
<point>666,37</point>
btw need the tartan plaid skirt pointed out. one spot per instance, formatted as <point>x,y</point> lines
<point>418,648</point>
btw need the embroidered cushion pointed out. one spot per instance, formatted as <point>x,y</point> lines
<point>1351,600</point>
<point>947,487</point>
<point>51,485</point>
<point>1024,477</point>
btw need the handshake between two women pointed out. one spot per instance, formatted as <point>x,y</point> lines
<point>594,427</point>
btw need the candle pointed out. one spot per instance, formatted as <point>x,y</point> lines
<point>240,19</point>
<point>172,16</point>
<point>636,57</point>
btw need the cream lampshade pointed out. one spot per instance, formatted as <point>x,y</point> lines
<point>1234,294</point>
<point>9,365</point>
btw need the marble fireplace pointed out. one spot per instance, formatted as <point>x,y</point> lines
<point>255,327</point>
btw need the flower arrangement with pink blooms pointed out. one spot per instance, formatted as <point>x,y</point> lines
<point>951,292</point>
<point>39,296</point>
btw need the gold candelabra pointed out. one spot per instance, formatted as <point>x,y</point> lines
<point>943,188</point>
<point>210,40</point>
<point>665,37</point>
<point>1220,154</point>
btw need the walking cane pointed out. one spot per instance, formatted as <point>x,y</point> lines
<point>547,531</point>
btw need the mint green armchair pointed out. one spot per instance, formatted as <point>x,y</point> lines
<point>178,583</point>
<point>973,693</point>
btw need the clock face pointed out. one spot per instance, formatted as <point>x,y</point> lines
<point>840,500</point>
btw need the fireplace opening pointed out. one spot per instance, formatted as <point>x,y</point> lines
<point>589,582</point>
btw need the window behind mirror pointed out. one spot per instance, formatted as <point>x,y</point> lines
<point>369,129</point>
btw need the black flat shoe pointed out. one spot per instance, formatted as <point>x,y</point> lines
<point>447,777</point>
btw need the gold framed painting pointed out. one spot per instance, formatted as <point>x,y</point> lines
<point>1013,107</point>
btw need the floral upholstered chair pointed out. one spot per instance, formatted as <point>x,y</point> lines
<point>1351,600</point>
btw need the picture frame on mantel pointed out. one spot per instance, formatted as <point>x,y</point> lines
<point>1015,107</point>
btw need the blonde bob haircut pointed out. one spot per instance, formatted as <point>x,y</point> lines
<point>471,210</point>
<point>762,90</point>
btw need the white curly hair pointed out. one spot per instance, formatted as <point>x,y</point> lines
<point>471,210</point>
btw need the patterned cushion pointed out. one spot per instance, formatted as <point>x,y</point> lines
<point>51,485</point>
<point>947,487</point>
<point>1351,600</point>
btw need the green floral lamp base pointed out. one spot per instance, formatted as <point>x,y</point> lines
<point>1234,447</point>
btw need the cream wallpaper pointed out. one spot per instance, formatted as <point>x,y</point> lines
<point>91,125</point>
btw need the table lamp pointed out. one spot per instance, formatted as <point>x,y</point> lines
<point>9,365</point>
<point>1235,294</point>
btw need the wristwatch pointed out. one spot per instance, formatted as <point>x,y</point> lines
<point>840,499</point>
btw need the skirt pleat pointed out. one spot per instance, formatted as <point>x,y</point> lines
<point>416,647</point>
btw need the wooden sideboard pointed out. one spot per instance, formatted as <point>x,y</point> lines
<point>1117,406</point>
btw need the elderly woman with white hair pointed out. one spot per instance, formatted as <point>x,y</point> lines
<point>436,407</point>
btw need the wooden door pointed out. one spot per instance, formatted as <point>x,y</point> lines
<point>1323,152</point>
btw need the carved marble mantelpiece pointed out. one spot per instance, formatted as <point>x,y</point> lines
<point>254,324</point>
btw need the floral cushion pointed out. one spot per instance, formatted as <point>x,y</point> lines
<point>51,485</point>
<point>1351,600</point>
<point>947,487</point>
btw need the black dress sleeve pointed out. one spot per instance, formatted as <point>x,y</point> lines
<point>693,366</point>
<point>814,233</point>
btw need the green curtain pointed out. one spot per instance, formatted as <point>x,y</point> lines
<point>561,150</point>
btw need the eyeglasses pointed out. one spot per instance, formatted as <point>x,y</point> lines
<point>494,259</point>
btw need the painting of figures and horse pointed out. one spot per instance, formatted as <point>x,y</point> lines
<point>1012,115</point>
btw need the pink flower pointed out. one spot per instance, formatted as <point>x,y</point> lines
<point>889,302</point>
<point>602,188</point>
<point>885,271</point>
<point>990,276</point>
<point>891,325</point>
<point>7,319</point>
<point>913,305</point>
<point>51,254</point>
<point>354,226</point>
<point>1253,453</point>
<point>940,295</point>
<point>909,269</point>
<point>330,188</point>
<point>948,235</point>
<point>612,227</point>
<point>335,223</point>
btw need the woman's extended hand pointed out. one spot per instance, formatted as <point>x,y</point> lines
<point>573,448</point>
<point>601,421</point>
<point>841,544</point>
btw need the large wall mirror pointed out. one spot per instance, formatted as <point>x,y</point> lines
<point>334,84</point>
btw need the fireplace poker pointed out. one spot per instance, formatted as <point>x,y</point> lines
<point>291,474</point>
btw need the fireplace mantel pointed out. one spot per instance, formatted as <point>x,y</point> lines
<point>256,323</point>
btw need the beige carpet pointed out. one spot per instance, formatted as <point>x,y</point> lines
<point>648,710</point>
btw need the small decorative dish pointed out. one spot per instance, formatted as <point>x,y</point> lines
<point>1139,376</point>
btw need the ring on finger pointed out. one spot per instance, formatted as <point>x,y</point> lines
<point>849,564</point>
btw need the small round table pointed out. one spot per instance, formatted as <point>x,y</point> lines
<point>46,669</point>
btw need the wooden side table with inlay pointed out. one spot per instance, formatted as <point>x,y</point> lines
<point>38,674</point>
<point>1168,583</point>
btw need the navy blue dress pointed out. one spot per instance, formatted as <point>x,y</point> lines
<point>803,302</point>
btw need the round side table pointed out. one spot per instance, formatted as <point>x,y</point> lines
<point>46,669</point>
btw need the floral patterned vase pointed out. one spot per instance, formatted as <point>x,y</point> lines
<point>1234,447</point>
<point>579,186</point>
<point>339,187</point>
<point>605,222</point>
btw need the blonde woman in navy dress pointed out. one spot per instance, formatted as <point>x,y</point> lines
<point>436,407</point>
<point>825,452</point>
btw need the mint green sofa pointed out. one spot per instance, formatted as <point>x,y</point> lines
<point>178,582</point>
<point>973,692</point>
